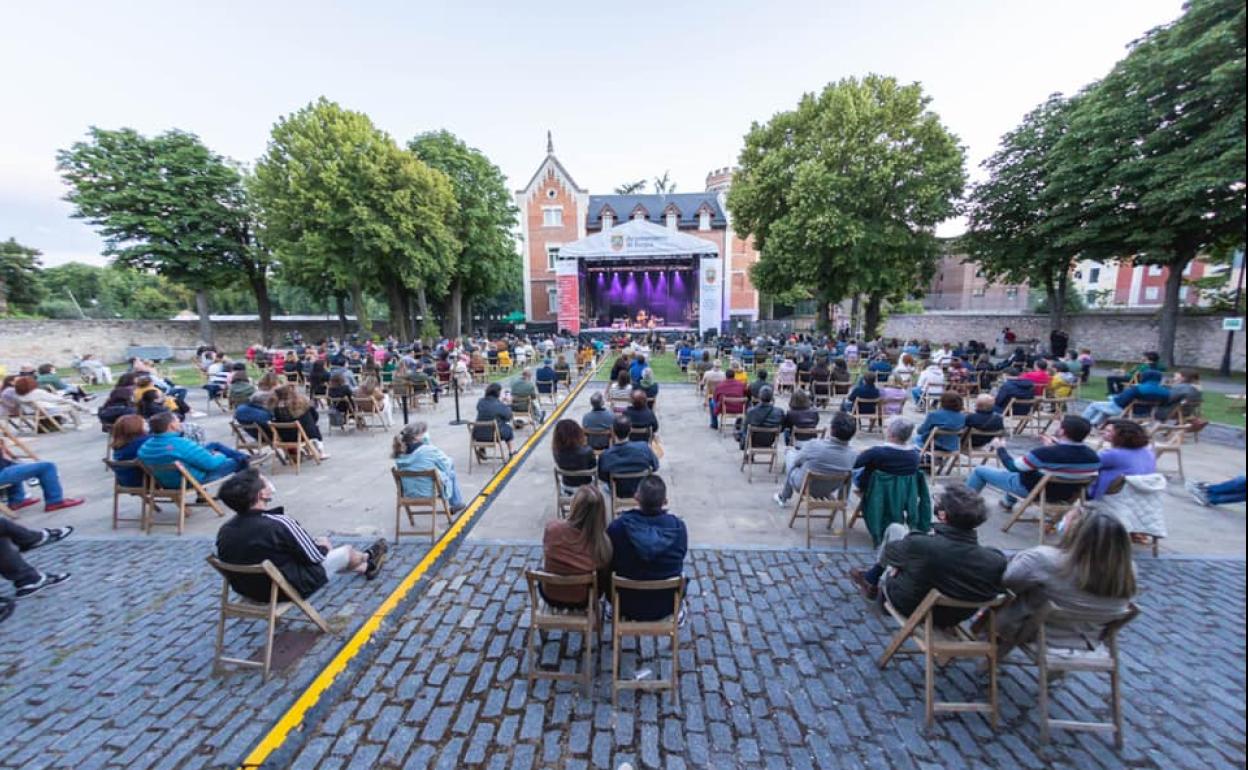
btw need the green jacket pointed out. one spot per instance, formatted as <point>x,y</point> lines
<point>896,499</point>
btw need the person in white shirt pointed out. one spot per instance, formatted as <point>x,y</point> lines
<point>931,381</point>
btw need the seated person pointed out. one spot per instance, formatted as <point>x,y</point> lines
<point>524,396</point>
<point>800,415</point>
<point>120,402</point>
<point>59,408</point>
<point>892,399</point>
<point>241,388</point>
<point>340,393</point>
<point>1116,383</point>
<point>985,419</point>
<point>1185,398</point>
<point>1222,493</point>
<point>880,365</point>
<point>729,387</point>
<point>413,451</point>
<point>948,417</point>
<point>640,414</point>
<point>152,403</point>
<point>205,463</point>
<point>15,474</point>
<point>711,377</point>
<point>950,559</point>
<point>1061,381</point>
<point>128,436</point>
<point>931,382</point>
<point>1134,401</point>
<point>598,418</point>
<point>571,452</point>
<point>831,455</point>
<point>1064,455</point>
<point>648,385</point>
<point>786,373</point>
<point>865,389</point>
<point>577,545</point>
<point>218,377</point>
<point>50,380</point>
<point>255,415</point>
<point>490,408</point>
<point>760,382</point>
<point>93,370</point>
<point>1090,572</point>
<point>1038,376</point>
<point>621,387</point>
<point>1128,454</point>
<point>16,540</point>
<point>765,414</point>
<point>257,533</point>
<point>896,456</point>
<point>546,378</point>
<point>647,543</point>
<point>290,405</point>
<point>625,456</point>
<point>1014,388</point>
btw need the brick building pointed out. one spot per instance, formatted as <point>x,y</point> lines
<point>555,211</point>
<point>958,285</point>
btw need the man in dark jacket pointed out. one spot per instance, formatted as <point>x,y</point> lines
<point>1014,387</point>
<point>764,414</point>
<point>648,544</point>
<point>949,559</point>
<point>258,532</point>
<point>626,456</point>
<point>598,418</point>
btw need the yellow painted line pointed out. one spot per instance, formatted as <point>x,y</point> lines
<point>293,716</point>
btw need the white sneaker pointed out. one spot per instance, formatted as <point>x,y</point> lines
<point>779,500</point>
<point>195,415</point>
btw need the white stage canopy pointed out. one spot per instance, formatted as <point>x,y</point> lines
<point>637,239</point>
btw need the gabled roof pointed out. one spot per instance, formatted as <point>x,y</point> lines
<point>550,158</point>
<point>656,206</point>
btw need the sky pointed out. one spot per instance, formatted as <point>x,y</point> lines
<point>627,95</point>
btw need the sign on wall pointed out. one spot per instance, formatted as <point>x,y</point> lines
<point>710,294</point>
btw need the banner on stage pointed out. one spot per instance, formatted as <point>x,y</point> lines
<point>710,294</point>
<point>569,294</point>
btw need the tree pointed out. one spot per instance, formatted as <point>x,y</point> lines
<point>20,288</point>
<point>1015,218</point>
<point>347,210</point>
<point>1161,139</point>
<point>663,184</point>
<point>842,195</point>
<point>110,292</point>
<point>482,226</point>
<point>168,204</point>
<point>631,188</point>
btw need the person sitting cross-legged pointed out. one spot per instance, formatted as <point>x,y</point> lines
<point>625,456</point>
<point>259,532</point>
<point>950,559</point>
<point>413,451</point>
<point>16,540</point>
<point>1064,455</point>
<point>825,456</point>
<point>15,474</point>
<point>205,463</point>
<point>648,543</point>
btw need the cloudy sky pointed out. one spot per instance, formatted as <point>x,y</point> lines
<point>628,91</point>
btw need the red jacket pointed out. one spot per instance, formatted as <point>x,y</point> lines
<point>1038,379</point>
<point>735,388</point>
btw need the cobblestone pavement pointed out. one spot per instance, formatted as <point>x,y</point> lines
<point>777,670</point>
<point>114,669</point>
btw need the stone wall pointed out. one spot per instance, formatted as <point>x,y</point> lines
<point>29,341</point>
<point>1111,336</point>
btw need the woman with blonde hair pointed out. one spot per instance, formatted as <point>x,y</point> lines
<point>577,545</point>
<point>290,405</point>
<point>371,399</point>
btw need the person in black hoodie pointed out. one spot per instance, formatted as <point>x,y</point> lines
<point>648,544</point>
<point>258,532</point>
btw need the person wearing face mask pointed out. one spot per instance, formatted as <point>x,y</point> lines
<point>413,451</point>
<point>259,531</point>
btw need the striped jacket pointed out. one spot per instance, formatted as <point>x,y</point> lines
<point>1065,460</point>
<point>252,537</point>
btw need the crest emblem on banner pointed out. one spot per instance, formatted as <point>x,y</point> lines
<point>708,275</point>
<point>617,243</point>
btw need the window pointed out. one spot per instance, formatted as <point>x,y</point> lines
<point>979,291</point>
<point>1150,292</point>
<point>704,220</point>
<point>1188,270</point>
<point>608,220</point>
<point>1011,293</point>
<point>671,220</point>
<point>552,255</point>
<point>552,300</point>
<point>1182,293</point>
<point>1092,297</point>
<point>552,216</point>
<point>1094,275</point>
<point>639,214</point>
<point>1154,270</point>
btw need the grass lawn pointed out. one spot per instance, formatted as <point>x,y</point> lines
<point>663,365</point>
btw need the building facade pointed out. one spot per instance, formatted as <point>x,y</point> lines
<point>555,211</point>
<point>959,285</point>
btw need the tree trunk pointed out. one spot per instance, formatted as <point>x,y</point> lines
<point>340,304</point>
<point>361,312</point>
<point>452,320</point>
<point>422,306</point>
<point>855,306</point>
<point>1057,311</point>
<point>260,287</point>
<point>825,314</point>
<point>205,316</point>
<point>468,315</point>
<point>398,309</point>
<point>871,324</point>
<point>1172,307</point>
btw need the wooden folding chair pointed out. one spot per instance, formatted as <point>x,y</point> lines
<point>810,507</point>
<point>295,444</point>
<point>18,448</point>
<point>941,462</point>
<point>279,592</point>
<point>1168,440</point>
<point>142,491</point>
<point>733,407</point>
<point>565,492</point>
<point>1050,410</point>
<point>757,449</point>
<point>1102,659</point>
<point>420,506</point>
<point>984,453</point>
<point>548,391</point>
<point>345,406</point>
<point>1050,512</point>
<point>868,421</point>
<point>484,446</point>
<point>526,416</point>
<point>599,440</point>
<point>258,447</point>
<point>372,415</point>
<point>622,502</point>
<point>668,627</point>
<point>802,435</point>
<point>178,495</point>
<point>940,645</point>
<point>543,618</point>
<point>1022,411</point>
<point>33,418</point>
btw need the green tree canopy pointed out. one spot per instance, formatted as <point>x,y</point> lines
<point>169,204</point>
<point>487,255</point>
<point>19,277</point>
<point>842,195</point>
<point>1159,143</point>
<point>110,292</point>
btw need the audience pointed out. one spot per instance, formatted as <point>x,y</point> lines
<point>1065,456</point>
<point>255,414</point>
<point>826,456</point>
<point>571,451</point>
<point>1115,383</point>
<point>648,543</point>
<point>257,533</point>
<point>16,540</point>
<point>950,559</point>
<point>167,446</point>
<point>865,389</point>
<point>120,402</point>
<point>1014,388</point>
<point>625,456</point>
<point>800,415</point>
<point>1129,454</point>
<point>1186,398</point>
<point>50,380</point>
<point>896,456</point>
<point>640,414</point>
<point>524,396</point>
<point>58,407</point>
<point>931,382</point>
<point>413,451</point>
<point>290,405</point>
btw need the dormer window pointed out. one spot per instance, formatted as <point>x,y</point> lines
<point>639,214</point>
<point>608,218</point>
<point>672,216</point>
<point>704,220</point>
